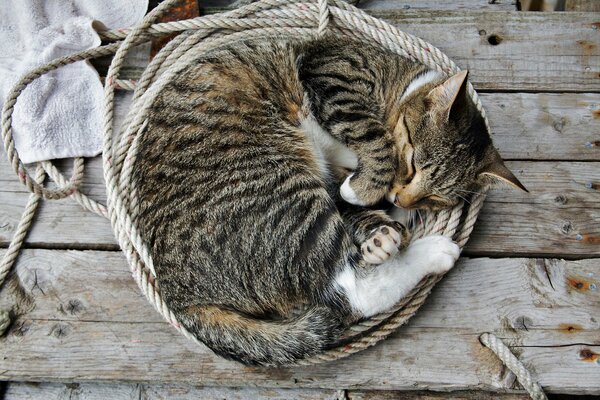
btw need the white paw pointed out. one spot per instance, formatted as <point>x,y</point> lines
<point>435,254</point>
<point>381,245</point>
<point>349,194</point>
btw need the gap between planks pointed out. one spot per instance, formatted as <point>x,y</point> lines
<point>124,391</point>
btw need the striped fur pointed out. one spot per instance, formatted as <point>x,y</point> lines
<point>241,208</point>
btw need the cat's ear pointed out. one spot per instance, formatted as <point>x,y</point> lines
<point>449,96</point>
<point>497,171</point>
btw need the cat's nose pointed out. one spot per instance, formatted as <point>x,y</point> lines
<point>405,200</point>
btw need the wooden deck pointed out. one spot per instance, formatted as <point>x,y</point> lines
<point>530,273</point>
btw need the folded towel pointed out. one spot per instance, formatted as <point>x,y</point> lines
<point>59,114</point>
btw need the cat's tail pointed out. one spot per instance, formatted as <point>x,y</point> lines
<point>262,342</point>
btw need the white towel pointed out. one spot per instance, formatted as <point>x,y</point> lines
<point>59,114</point>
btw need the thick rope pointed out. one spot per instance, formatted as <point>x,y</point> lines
<point>4,321</point>
<point>119,197</point>
<point>11,254</point>
<point>323,17</point>
<point>289,18</point>
<point>490,341</point>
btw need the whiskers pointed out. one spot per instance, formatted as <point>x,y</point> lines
<point>466,194</point>
<point>420,217</point>
<point>464,198</point>
<point>414,218</point>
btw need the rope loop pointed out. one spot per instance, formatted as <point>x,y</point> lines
<point>294,19</point>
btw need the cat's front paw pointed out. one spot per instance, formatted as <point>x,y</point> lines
<point>381,245</point>
<point>358,190</point>
<point>348,193</point>
<point>436,254</point>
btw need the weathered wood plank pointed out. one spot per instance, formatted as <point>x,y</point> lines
<point>212,6</point>
<point>186,392</point>
<point>513,51</point>
<point>516,51</point>
<point>60,224</point>
<point>124,391</point>
<point>461,395</point>
<point>563,203</point>
<point>560,215</point>
<point>455,5</point>
<point>545,126</point>
<point>410,360</point>
<point>582,5</point>
<point>86,321</point>
<point>71,391</point>
<point>531,126</point>
<point>64,286</point>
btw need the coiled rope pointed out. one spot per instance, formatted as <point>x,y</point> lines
<point>265,18</point>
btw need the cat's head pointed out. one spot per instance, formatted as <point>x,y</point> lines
<point>445,151</point>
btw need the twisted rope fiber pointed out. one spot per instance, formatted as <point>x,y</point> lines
<point>115,202</point>
<point>261,19</point>
<point>10,257</point>
<point>508,358</point>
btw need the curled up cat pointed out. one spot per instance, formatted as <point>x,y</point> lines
<point>259,176</point>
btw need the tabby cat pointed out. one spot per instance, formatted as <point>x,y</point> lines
<point>260,174</point>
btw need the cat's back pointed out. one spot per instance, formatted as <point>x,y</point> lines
<point>228,186</point>
<point>218,114</point>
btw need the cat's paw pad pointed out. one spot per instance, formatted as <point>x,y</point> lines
<point>437,254</point>
<point>381,245</point>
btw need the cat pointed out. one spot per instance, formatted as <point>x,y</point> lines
<point>258,177</point>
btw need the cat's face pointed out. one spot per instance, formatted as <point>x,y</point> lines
<point>445,152</point>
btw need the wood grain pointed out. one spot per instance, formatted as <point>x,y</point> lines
<point>582,5</point>
<point>65,286</point>
<point>545,126</point>
<point>212,6</point>
<point>81,318</point>
<point>459,395</point>
<point>455,5</point>
<point>560,217</point>
<point>127,391</point>
<point>534,51</point>
<point>85,320</point>
<point>515,51</point>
